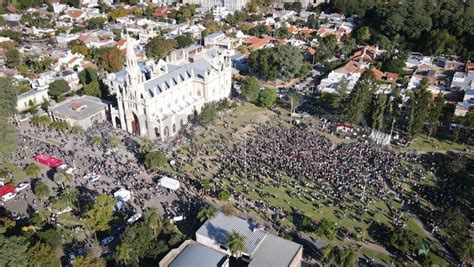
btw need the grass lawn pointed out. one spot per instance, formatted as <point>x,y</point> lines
<point>289,193</point>
<point>422,144</point>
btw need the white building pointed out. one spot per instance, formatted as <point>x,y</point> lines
<point>27,100</point>
<point>231,5</point>
<point>156,99</point>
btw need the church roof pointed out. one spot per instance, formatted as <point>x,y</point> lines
<point>177,74</point>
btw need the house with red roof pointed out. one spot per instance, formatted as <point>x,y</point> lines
<point>161,11</point>
<point>254,43</point>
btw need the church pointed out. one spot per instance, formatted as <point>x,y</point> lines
<point>157,99</point>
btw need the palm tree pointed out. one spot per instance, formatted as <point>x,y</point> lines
<point>146,146</point>
<point>32,170</point>
<point>467,251</point>
<point>70,196</point>
<point>96,140</point>
<point>41,190</point>
<point>60,178</point>
<point>113,142</point>
<point>349,257</point>
<point>236,243</point>
<point>123,253</point>
<point>206,214</point>
<point>154,221</point>
<point>76,129</point>
<point>329,254</point>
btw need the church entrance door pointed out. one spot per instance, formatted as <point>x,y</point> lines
<point>135,125</point>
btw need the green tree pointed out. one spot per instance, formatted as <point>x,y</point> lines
<point>207,115</point>
<point>155,159</point>
<point>363,35</point>
<point>8,139</point>
<point>58,87</point>
<point>266,98</point>
<point>419,106</point>
<point>42,254</point>
<point>378,110</point>
<point>32,170</point>
<point>326,228</point>
<point>435,115</point>
<point>206,213</point>
<point>41,190</point>
<point>359,100</point>
<point>13,250</point>
<point>101,213</point>
<point>88,260</point>
<point>329,254</point>
<point>250,89</point>
<point>236,243</point>
<point>96,23</point>
<point>223,196</point>
<point>110,59</point>
<point>154,220</point>
<point>467,252</point>
<point>41,121</point>
<point>183,41</point>
<point>71,197</point>
<point>13,57</point>
<point>96,140</point>
<point>113,142</point>
<point>159,48</point>
<point>93,89</point>
<point>394,65</point>
<point>8,97</point>
<point>123,253</point>
<point>312,22</point>
<point>146,146</point>
<point>88,75</point>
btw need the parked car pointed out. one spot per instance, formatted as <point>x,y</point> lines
<point>106,240</point>
<point>91,177</point>
<point>8,196</point>
<point>22,186</point>
<point>135,217</point>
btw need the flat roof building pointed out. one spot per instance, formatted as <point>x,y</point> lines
<point>191,253</point>
<point>83,111</point>
<point>261,247</point>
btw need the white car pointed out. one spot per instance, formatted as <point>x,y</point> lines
<point>22,186</point>
<point>65,168</point>
<point>8,196</point>
<point>107,240</point>
<point>135,217</point>
<point>91,177</point>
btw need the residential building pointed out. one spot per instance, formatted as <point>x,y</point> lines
<point>463,81</point>
<point>158,99</point>
<point>463,107</point>
<point>350,73</point>
<point>82,111</point>
<point>32,98</point>
<point>261,247</point>
<point>231,5</point>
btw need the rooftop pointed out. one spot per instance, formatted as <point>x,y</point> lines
<point>79,108</point>
<point>275,251</point>
<point>219,227</point>
<point>195,254</point>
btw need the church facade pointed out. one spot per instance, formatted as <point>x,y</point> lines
<point>157,99</point>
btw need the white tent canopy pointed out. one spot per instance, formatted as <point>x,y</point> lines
<point>169,183</point>
<point>123,194</point>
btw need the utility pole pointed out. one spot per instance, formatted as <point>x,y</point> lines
<point>245,154</point>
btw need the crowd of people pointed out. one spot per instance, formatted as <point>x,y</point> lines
<point>118,165</point>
